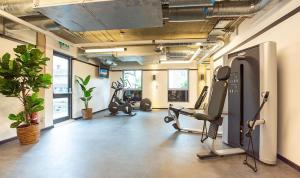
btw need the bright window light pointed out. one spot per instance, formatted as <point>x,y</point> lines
<point>134,77</point>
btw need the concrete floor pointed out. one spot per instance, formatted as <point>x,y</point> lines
<point>123,147</point>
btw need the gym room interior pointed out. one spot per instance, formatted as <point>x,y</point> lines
<point>149,88</point>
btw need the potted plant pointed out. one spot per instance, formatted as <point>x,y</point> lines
<point>87,113</point>
<point>22,77</point>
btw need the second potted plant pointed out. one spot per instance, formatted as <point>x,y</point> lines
<point>87,113</point>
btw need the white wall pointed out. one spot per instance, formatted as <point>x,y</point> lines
<point>286,35</point>
<point>101,93</point>
<point>7,105</point>
<point>157,91</point>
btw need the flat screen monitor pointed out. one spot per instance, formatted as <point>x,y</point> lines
<point>103,72</point>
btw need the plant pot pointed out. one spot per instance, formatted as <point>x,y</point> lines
<point>28,134</point>
<point>87,113</point>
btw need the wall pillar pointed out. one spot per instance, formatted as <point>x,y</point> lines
<point>45,116</point>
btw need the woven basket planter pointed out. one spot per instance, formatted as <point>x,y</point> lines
<point>28,135</point>
<point>87,113</point>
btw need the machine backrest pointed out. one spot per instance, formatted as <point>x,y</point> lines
<point>201,97</point>
<point>218,94</point>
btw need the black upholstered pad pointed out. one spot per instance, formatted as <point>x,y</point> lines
<point>176,108</point>
<point>217,99</point>
<point>223,73</point>
<point>201,97</point>
<point>188,112</point>
<point>201,116</point>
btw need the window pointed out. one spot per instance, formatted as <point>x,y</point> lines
<point>62,87</point>
<point>178,85</point>
<point>133,89</point>
<point>134,79</point>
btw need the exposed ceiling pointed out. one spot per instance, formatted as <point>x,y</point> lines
<point>148,29</point>
<point>194,30</point>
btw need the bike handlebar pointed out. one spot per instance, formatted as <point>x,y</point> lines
<point>120,84</point>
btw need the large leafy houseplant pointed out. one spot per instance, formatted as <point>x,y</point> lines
<point>87,113</point>
<point>22,77</point>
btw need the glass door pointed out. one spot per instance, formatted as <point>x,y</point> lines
<point>62,87</point>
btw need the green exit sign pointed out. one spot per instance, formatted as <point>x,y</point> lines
<point>63,45</point>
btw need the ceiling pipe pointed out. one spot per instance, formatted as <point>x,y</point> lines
<point>222,9</point>
<point>220,44</point>
<point>190,3</point>
<point>228,10</point>
<point>195,55</point>
<point>139,43</point>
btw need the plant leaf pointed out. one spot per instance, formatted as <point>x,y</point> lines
<point>87,80</point>
<point>13,117</point>
<point>15,124</point>
<point>83,99</point>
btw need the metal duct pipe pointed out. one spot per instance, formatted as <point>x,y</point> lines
<point>177,54</point>
<point>227,10</point>
<point>184,14</point>
<point>18,8</point>
<point>220,9</point>
<point>190,3</point>
<point>177,44</point>
<point>220,44</point>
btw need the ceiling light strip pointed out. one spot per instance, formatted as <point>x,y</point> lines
<point>104,50</point>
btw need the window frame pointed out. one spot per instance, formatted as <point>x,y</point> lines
<point>123,77</point>
<point>188,80</point>
<point>68,95</point>
<point>174,89</point>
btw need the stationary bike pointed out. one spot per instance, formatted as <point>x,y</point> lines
<point>116,104</point>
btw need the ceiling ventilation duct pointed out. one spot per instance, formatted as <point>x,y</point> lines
<point>185,14</point>
<point>92,15</point>
<point>231,10</point>
<point>221,9</point>
<point>40,21</point>
<point>190,3</point>
<point>18,7</point>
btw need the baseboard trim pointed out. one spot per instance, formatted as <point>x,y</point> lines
<point>8,140</point>
<point>289,162</point>
<point>100,111</point>
<point>47,128</point>
<point>96,112</point>
<point>15,138</point>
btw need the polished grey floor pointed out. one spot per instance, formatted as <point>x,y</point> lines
<point>123,147</point>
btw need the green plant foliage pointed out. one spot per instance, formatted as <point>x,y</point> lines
<point>87,92</point>
<point>23,77</point>
<point>34,103</point>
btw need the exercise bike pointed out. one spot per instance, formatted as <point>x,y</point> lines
<point>116,104</point>
<point>134,97</point>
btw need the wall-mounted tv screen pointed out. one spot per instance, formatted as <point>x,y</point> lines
<point>103,72</point>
